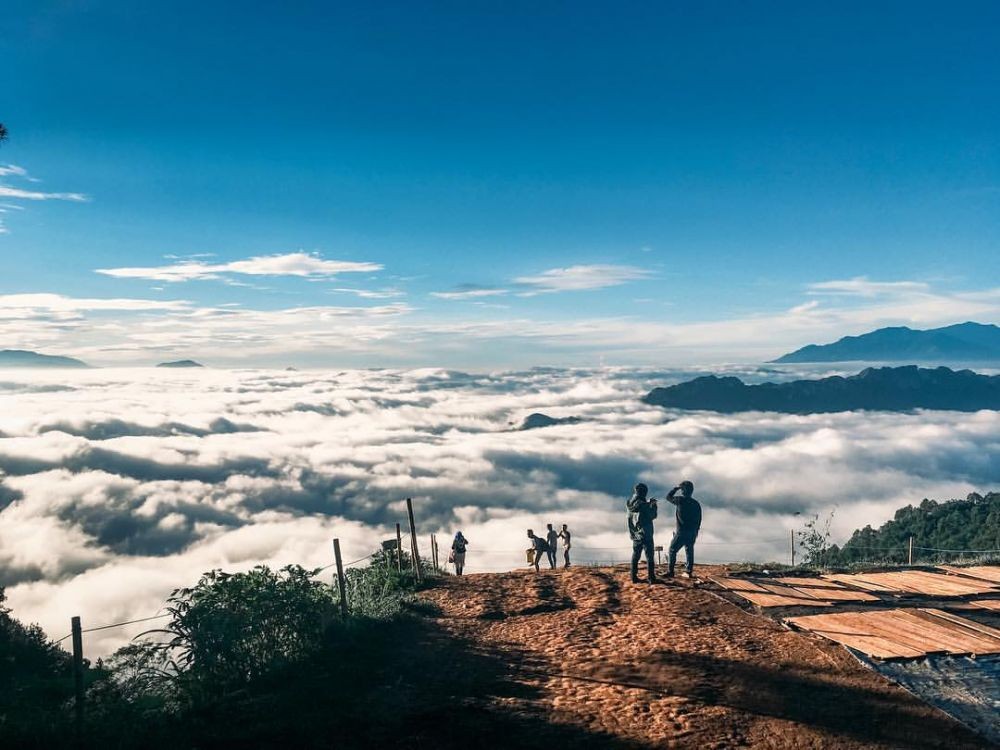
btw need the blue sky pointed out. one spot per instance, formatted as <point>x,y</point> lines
<point>491,184</point>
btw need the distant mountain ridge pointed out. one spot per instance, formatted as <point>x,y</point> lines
<point>963,342</point>
<point>181,363</point>
<point>538,420</point>
<point>24,358</point>
<point>875,389</point>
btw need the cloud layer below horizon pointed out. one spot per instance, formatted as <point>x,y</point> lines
<point>118,486</point>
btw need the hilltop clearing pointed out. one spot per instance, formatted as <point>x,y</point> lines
<point>673,666</point>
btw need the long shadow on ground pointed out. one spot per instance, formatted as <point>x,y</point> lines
<point>815,697</point>
<point>402,684</point>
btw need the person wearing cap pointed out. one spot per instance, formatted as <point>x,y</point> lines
<point>539,547</point>
<point>688,525</point>
<point>641,514</point>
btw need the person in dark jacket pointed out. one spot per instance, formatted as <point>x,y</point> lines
<point>458,552</point>
<point>552,539</point>
<point>641,513</point>
<point>539,546</point>
<point>688,524</point>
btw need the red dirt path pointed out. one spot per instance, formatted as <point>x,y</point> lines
<point>674,666</point>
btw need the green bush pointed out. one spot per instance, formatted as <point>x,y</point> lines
<point>378,592</point>
<point>36,682</point>
<point>233,628</point>
<point>947,528</point>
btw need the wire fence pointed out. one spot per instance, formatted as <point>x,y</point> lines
<point>619,555</point>
<point>167,614</point>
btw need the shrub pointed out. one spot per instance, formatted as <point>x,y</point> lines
<point>233,628</point>
<point>378,591</point>
<point>35,682</point>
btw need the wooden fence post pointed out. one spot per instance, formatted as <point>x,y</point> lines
<point>399,550</point>
<point>341,582</point>
<point>414,549</point>
<point>910,556</point>
<point>791,533</point>
<point>78,677</point>
<point>434,554</point>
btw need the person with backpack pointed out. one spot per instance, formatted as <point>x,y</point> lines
<point>539,547</point>
<point>641,514</point>
<point>688,525</point>
<point>565,536</point>
<point>457,555</point>
<point>552,539</point>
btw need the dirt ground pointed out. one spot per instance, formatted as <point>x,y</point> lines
<point>594,660</point>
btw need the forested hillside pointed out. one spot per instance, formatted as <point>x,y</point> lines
<point>938,530</point>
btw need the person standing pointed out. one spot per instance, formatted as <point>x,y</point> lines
<point>641,513</point>
<point>566,540</point>
<point>538,546</point>
<point>458,546</point>
<point>688,525</point>
<point>552,539</point>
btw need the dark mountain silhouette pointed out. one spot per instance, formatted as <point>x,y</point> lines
<point>23,358</point>
<point>964,342</point>
<point>882,389</point>
<point>181,363</point>
<point>536,420</point>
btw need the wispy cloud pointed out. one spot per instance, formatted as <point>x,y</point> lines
<point>862,286</point>
<point>13,170</point>
<point>36,195</point>
<point>568,279</point>
<point>371,293</point>
<point>300,264</point>
<point>130,330</point>
<point>62,303</point>
<point>580,278</point>
<point>470,291</point>
<point>21,194</point>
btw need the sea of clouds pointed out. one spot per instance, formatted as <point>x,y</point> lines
<point>117,486</point>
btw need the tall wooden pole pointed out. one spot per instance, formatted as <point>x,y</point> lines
<point>414,550</point>
<point>910,556</point>
<point>399,550</point>
<point>341,582</point>
<point>78,676</point>
<point>434,554</point>
<point>791,534</point>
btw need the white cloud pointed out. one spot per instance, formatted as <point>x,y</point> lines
<point>470,292</point>
<point>16,193</point>
<point>861,286</point>
<point>581,277</point>
<point>62,303</point>
<point>117,486</point>
<point>371,293</point>
<point>300,264</point>
<point>36,195</point>
<point>394,334</point>
<point>13,170</point>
